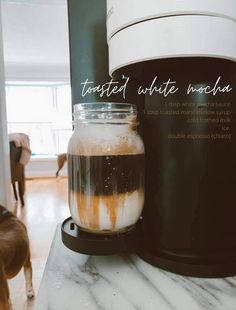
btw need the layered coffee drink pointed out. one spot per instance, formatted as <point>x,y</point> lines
<point>106,176</point>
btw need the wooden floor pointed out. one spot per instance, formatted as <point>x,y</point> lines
<point>45,207</point>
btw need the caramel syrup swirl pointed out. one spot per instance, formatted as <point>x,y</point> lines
<point>89,209</point>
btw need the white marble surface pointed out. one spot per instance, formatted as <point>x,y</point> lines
<point>73,281</point>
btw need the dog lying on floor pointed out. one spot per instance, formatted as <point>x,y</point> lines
<point>14,254</point>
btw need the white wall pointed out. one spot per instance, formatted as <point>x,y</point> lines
<point>5,197</point>
<point>44,167</point>
<point>36,40</point>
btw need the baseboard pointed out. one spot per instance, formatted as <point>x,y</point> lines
<point>40,168</point>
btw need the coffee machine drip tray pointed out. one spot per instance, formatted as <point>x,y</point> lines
<point>78,240</point>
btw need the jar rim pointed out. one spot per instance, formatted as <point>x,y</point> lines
<point>105,107</point>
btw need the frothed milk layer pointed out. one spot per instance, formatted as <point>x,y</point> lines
<point>106,213</point>
<point>107,139</point>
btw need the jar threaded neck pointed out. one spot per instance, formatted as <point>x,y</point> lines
<point>105,112</point>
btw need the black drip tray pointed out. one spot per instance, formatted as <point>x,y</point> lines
<point>84,242</point>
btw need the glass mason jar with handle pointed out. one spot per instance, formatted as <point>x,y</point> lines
<point>105,167</point>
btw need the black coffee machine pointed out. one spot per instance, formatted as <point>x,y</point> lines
<point>188,223</point>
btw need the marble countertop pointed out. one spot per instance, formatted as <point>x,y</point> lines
<point>74,281</point>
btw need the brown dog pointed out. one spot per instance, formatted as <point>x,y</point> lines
<point>14,254</point>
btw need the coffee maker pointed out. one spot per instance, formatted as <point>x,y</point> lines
<point>180,59</point>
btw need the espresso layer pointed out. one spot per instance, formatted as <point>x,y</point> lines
<point>105,175</point>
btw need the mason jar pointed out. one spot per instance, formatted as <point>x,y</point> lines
<point>105,167</point>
